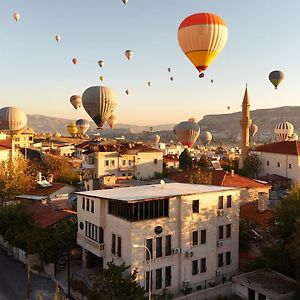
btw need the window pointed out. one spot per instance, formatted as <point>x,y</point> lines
<point>168,276</point>
<point>195,238</point>
<point>88,204</point>
<point>220,202</point>
<point>220,260</point>
<point>94,232</point>
<point>290,166</point>
<point>228,258</point>
<point>147,282</point>
<point>194,267</point>
<point>113,244</point>
<point>92,206</point>
<point>112,163</point>
<point>158,278</point>
<point>119,251</point>
<point>268,163</point>
<point>229,201</point>
<point>228,231</point>
<point>130,162</point>
<point>107,163</point>
<point>202,265</point>
<point>203,236</point>
<point>168,246</point>
<point>155,161</point>
<point>261,296</point>
<point>278,164</point>
<point>195,206</point>
<point>124,162</point>
<point>159,247</point>
<point>221,233</point>
<point>83,203</point>
<point>149,246</point>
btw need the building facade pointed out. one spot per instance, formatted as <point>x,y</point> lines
<point>191,231</point>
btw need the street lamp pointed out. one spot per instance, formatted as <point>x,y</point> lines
<point>150,277</point>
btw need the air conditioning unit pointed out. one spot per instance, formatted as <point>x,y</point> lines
<point>218,272</point>
<point>219,243</point>
<point>186,283</point>
<point>176,250</point>
<point>220,212</point>
<point>189,253</point>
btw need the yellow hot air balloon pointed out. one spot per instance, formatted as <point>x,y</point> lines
<point>202,37</point>
<point>72,129</point>
<point>101,78</point>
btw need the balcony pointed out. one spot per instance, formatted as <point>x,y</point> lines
<point>88,165</point>
<point>90,245</point>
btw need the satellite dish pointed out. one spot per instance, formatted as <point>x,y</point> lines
<point>162,183</point>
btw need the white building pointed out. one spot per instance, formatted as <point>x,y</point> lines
<point>281,158</point>
<point>191,230</point>
<point>131,159</point>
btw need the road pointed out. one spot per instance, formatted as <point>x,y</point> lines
<point>12,281</point>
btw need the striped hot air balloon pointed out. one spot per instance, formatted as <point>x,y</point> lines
<point>202,37</point>
<point>284,131</point>
<point>187,132</point>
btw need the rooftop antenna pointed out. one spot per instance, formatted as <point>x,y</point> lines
<point>162,184</point>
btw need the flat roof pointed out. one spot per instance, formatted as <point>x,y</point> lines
<point>154,191</point>
<point>269,281</point>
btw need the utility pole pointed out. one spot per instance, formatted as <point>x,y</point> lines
<point>27,282</point>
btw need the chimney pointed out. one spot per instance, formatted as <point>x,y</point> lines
<point>263,201</point>
<point>39,176</point>
<point>232,172</point>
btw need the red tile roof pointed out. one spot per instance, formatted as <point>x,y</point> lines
<point>221,178</point>
<point>286,147</point>
<point>46,191</point>
<point>170,158</point>
<point>6,143</point>
<point>249,211</point>
<point>275,177</point>
<point>45,215</point>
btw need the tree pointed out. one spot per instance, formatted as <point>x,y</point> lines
<point>114,283</point>
<point>252,165</point>
<point>204,161</point>
<point>16,178</point>
<point>185,160</point>
<point>199,177</point>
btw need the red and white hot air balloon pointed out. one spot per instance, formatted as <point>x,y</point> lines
<point>187,132</point>
<point>16,16</point>
<point>75,61</point>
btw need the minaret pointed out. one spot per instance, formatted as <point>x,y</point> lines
<point>245,125</point>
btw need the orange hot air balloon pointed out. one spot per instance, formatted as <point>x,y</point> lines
<point>75,61</point>
<point>202,37</point>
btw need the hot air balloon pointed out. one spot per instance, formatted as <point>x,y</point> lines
<point>205,137</point>
<point>169,69</point>
<point>202,37</point>
<point>149,83</point>
<point>228,107</point>
<point>171,78</point>
<point>156,139</point>
<point>125,1</point>
<point>101,78</point>
<point>75,61</point>
<point>101,63</point>
<point>82,126</point>
<point>112,121</point>
<point>151,128</point>
<point>57,37</point>
<point>129,54</point>
<point>99,102</point>
<point>187,132</point>
<point>294,137</point>
<point>253,130</point>
<point>211,81</point>
<point>72,129</point>
<point>127,92</point>
<point>12,119</point>
<point>192,120</point>
<point>16,16</point>
<point>76,101</point>
<point>276,78</point>
<point>284,131</point>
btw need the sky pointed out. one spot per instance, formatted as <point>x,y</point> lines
<point>37,74</point>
